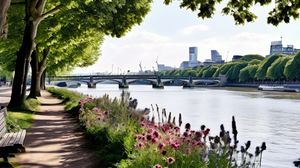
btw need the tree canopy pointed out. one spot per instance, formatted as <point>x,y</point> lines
<point>264,65</point>
<point>241,11</point>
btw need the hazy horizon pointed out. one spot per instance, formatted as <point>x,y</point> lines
<point>168,31</point>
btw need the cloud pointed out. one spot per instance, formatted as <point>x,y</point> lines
<point>194,29</point>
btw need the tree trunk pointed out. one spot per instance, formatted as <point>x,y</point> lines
<point>23,57</point>
<point>38,69</point>
<point>43,81</point>
<point>4,5</point>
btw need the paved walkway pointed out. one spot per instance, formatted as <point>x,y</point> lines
<point>54,140</point>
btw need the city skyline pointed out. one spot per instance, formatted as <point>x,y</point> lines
<point>168,31</point>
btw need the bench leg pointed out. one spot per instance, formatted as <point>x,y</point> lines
<point>5,158</point>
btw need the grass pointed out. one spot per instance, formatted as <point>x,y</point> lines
<point>22,118</point>
<point>70,98</point>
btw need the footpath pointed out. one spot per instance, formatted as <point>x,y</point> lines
<point>55,140</point>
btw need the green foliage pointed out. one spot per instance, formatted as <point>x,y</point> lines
<point>251,57</point>
<point>115,133</point>
<point>241,11</point>
<point>255,62</point>
<point>70,98</point>
<point>209,72</point>
<point>22,118</point>
<point>275,71</point>
<point>17,120</point>
<point>291,70</point>
<point>264,65</point>
<point>248,73</point>
<point>234,71</point>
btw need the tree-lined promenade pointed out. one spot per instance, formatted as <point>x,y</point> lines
<point>57,36</point>
<point>61,35</point>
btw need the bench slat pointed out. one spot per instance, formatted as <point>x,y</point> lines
<point>4,139</point>
<point>20,140</point>
<point>15,136</point>
<point>8,137</point>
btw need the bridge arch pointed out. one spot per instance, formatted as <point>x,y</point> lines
<point>113,80</point>
<point>142,80</point>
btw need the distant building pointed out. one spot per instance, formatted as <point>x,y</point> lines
<point>163,67</point>
<point>193,54</point>
<point>208,62</point>
<point>193,59</point>
<point>277,48</point>
<point>184,65</point>
<point>215,56</point>
<point>236,57</point>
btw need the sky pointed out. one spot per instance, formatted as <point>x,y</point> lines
<point>168,31</point>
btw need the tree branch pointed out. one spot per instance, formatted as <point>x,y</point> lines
<point>18,2</point>
<point>41,5</point>
<point>44,59</point>
<point>52,11</point>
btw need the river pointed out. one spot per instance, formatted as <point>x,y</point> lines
<point>273,117</point>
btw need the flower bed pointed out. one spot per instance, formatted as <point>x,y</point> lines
<point>127,138</point>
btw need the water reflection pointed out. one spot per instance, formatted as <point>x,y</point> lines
<point>261,116</point>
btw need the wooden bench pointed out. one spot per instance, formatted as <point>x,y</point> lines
<point>10,142</point>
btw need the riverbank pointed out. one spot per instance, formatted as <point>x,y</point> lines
<point>142,142</point>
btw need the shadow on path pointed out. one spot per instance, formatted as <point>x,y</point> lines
<point>55,140</point>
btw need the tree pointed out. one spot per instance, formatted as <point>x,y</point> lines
<point>251,57</point>
<point>248,73</point>
<point>264,65</point>
<point>4,5</point>
<point>275,71</point>
<point>113,18</point>
<point>241,10</point>
<point>209,72</point>
<point>291,70</point>
<point>234,71</point>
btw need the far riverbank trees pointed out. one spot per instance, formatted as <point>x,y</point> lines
<point>274,68</point>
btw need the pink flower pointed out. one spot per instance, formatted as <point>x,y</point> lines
<point>170,160</point>
<point>161,145</point>
<point>154,140</point>
<point>157,166</point>
<point>175,145</point>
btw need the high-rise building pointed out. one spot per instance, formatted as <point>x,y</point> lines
<point>215,56</point>
<point>277,48</point>
<point>193,54</point>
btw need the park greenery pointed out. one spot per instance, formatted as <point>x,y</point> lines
<point>53,36</point>
<point>250,68</point>
<point>128,138</point>
<point>70,33</point>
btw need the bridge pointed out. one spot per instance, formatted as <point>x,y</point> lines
<point>156,81</point>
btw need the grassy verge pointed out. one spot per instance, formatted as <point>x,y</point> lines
<point>70,98</point>
<point>22,118</point>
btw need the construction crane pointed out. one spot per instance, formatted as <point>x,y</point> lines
<point>141,68</point>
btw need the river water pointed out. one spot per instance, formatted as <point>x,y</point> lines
<point>273,117</point>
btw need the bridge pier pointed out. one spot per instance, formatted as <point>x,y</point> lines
<point>91,85</point>
<point>158,84</point>
<point>190,84</point>
<point>123,84</point>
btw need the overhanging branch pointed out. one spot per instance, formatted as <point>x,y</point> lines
<point>52,11</point>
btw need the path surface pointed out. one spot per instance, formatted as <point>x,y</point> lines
<point>54,140</point>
